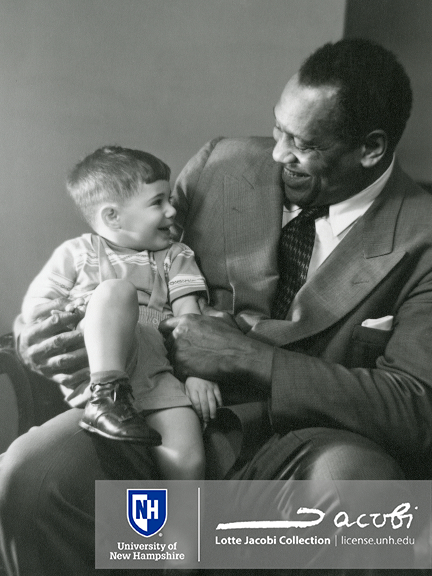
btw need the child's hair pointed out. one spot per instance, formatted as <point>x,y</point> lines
<point>112,173</point>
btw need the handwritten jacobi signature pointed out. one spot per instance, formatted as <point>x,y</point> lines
<point>398,518</point>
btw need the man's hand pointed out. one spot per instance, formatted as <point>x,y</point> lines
<point>207,310</point>
<point>205,397</point>
<point>209,348</point>
<point>48,345</point>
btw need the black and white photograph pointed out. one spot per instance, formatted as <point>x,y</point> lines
<point>216,288</point>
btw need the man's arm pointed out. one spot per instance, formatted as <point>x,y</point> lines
<point>49,347</point>
<point>390,404</point>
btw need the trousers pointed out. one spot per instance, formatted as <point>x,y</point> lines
<point>47,488</point>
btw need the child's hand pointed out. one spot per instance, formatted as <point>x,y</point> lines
<point>205,397</point>
<point>77,305</point>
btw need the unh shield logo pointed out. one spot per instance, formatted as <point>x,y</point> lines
<point>147,510</point>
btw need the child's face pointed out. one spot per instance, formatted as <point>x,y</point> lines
<point>145,219</point>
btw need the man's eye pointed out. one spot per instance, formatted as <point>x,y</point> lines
<point>302,147</point>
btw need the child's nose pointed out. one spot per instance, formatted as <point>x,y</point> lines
<point>170,212</point>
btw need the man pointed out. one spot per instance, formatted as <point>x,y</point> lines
<point>347,401</point>
<point>335,142</point>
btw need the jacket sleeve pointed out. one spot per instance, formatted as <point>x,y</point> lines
<point>390,402</point>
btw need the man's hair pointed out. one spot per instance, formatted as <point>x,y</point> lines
<point>374,89</point>
<point>112,173</point>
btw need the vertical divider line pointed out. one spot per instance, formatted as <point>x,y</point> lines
<point>199,524</point>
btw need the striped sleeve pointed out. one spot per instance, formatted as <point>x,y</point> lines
<point>184,276</point>
<point>57,277</point>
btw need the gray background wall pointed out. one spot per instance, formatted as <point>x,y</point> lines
<point>163,75</point>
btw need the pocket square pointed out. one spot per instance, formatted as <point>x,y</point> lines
<point>385,323</point>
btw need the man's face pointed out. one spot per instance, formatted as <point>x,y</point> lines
<point>319,167</point>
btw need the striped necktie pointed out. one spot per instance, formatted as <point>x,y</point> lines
<point>295,250</point>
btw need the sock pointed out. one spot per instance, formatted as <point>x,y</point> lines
<point>105,376</point>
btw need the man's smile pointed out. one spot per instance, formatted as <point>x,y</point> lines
<point>291,174</point>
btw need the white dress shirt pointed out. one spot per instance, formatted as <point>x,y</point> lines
<point>331,229</point>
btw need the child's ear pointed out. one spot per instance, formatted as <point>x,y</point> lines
<point>110,216</point>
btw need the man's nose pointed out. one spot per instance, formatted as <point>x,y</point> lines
<point>283,153</point>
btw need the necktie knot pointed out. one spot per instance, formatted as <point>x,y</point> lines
<point>313,212</point>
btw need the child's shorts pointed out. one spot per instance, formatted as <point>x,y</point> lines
<point>151,375</point>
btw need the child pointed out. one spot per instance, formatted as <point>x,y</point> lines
<point>125,279</point>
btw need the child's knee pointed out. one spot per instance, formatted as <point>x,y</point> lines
<point>117,292</point>
<point>181,464</point>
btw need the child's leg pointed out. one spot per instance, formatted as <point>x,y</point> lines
<point>181,455</point>
<point>109,332</point>
<point>110,321</point>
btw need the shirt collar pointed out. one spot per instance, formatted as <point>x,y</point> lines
<point>345,213</point>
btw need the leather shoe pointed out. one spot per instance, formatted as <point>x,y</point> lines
<point>110,413</point>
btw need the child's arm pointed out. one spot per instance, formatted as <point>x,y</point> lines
<point>186,305</point>
<point>204,395</point>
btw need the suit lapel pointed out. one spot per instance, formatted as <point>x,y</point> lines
<point>363,258</point>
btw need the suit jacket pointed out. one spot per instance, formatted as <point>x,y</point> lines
<point>328,369</point>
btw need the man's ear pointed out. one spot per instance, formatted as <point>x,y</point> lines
<point>374,148</point>
<point>110,216</point>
